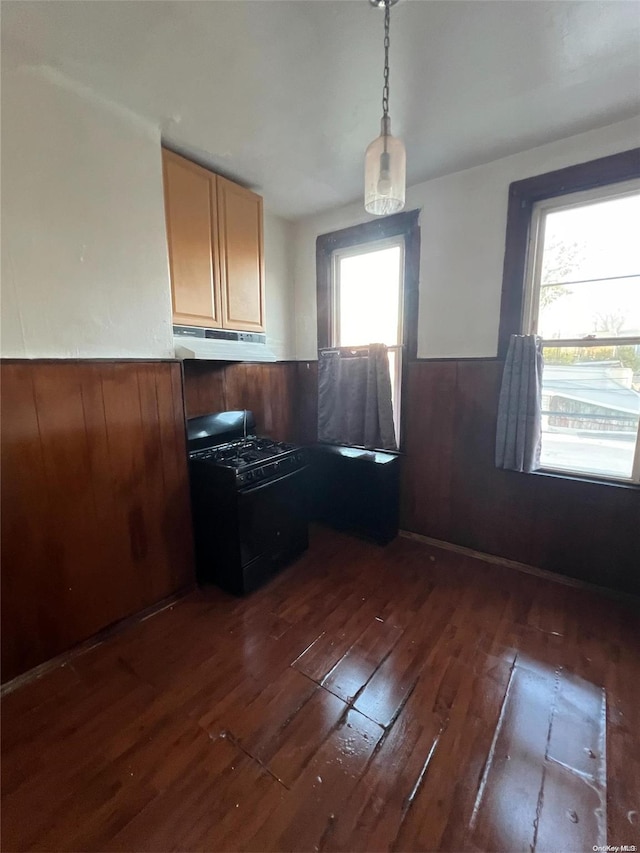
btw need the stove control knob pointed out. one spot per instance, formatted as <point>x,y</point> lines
<point>249,475</point>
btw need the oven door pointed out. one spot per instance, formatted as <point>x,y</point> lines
<point>273,519</point>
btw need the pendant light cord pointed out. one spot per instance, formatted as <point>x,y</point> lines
<point>385,88</point>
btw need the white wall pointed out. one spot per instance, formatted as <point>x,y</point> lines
<point>463,224</point>
<point>279,296</point>
<point>84,256</point>
<point>84,252</point>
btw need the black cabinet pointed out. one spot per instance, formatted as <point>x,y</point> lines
<point>356,490</point>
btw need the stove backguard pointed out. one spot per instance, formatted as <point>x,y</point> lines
<point>218,428</point>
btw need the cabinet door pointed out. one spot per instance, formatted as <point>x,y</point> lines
<point>191,212</point>
<point>241,257</point>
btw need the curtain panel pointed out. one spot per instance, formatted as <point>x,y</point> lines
<point>518,435</point>
<point>354,398</point>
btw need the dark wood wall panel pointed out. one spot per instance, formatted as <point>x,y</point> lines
<point>268,390</point>
<point>436,426</point>
<point>203,387</point>
<point>452,491</point>
<point>95,507</point>
<point>490,509</point>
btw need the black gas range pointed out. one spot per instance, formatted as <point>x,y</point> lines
<point>251,460</point>
<point>249,500</point>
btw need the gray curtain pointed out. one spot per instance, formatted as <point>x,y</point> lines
<point>354,398</point>
<point>519,412</point>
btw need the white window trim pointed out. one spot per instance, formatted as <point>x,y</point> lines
<point>531,304</point>
<point>366,249</point>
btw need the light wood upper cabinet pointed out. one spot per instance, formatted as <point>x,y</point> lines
<point>241,257</point>
<point>191,212</point>
<point>216,253</point>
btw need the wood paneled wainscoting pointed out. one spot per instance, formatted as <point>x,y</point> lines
<point>95,505</point>
<point>268,390</point>
<point>452,491</point>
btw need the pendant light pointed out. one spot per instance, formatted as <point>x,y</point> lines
<point>385,162</point>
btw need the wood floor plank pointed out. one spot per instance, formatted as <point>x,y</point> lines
<point>351,619</point>
<point>59,764</point>
<point>506,808</point>
<point>467,697</point>
<point>577,739</point>
<point>67,739</point>
<point>220,797</point>
<point>296,743</point>
<point>570,807</point>
<point>384,699</point>
<point>305,819</point>
<point>354,669</point>
<point>371,818</point>
<point>253,722</point>
<point>622,686</point>
<point>394,680</point>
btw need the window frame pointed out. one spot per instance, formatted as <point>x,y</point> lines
<point>582,198</point>
<point>522,196</point>
<point>403,225</point>
<point>516,302</point>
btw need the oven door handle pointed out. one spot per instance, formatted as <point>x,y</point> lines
<point>251,490</point>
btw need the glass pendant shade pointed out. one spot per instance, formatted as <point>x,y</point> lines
<point>385,167</point>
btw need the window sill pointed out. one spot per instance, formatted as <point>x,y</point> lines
<point>357,448</point>
<point>594,481</point>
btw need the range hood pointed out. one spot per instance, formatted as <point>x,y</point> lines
<point>220,344</point>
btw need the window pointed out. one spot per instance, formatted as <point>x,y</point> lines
<point>366,304</point>
<point>368,291</point>
<point>582,296</point>
<point>583,299</point>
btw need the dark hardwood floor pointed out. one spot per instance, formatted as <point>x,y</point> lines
<point>405,698</point>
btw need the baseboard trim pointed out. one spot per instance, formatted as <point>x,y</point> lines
<point>96,640</point>
<point>565,580</point>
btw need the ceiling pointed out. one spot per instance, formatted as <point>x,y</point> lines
<point>284,95</point>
